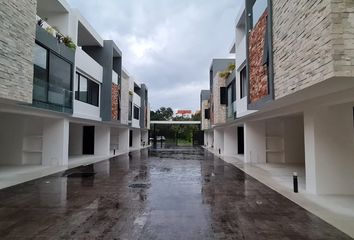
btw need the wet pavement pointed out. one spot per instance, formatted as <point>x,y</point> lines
<point>171,194</point>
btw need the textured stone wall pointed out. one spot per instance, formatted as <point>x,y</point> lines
<point>303,47</point>
<point>124,101</point>
<point>342,16</point>
<point>219,110</point>
<point>17,35</point>
<point>115,101</point>
<point>258,75</point>
<point>205,122</point>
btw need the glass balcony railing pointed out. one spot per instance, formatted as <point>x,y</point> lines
<point>52,97</point>
<point>230,112</point>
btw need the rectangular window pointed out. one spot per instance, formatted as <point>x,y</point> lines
<point>60,78</point>
<point>40,74</point>
<point>130,110</point>
<point>83,89</point>
<point>223,95</point>
<point>243,82</point>
<point>136,112</point>
<point>60,72</point>
<point>207,113</point>
<point>231,92</point>
<point>87,90</point>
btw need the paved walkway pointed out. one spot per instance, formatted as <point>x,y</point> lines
<point>185,194</point>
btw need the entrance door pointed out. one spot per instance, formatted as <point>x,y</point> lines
<point>88,141</point>
<point>131,138</point>
<point>240,141</point>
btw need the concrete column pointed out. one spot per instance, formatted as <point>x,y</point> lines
<point>219,140</point>
<point>255,142</point>
<point>136,138</point>
<point>230,141</point>
<point>210,138</point>
<point>55,142</point>
<point>124,139</point>
<point>206,138</point>
<point>145,137</point>
<point>75,139</point>
<point>102,140</point>
<point>329,150</point>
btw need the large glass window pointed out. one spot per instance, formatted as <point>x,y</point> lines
<point>243,82</point>
<point>231,97</point>
<point>136,112</point>
<point>83,89</point>
<point>52,80</point>
<point>130,110</point>
<point>40,56</point>
<point>60,72</point>
<point>40,75</point>
<point>87,90</point>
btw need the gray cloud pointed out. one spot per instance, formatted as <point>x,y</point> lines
<point>167,44</point>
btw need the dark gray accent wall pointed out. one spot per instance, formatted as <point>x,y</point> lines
<point>204,95</point>
<point>51,43</point>
<point>143,104</point>
<point>269,41</point>
<point>110,58</point>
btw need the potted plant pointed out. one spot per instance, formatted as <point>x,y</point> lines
<point>69,43</point>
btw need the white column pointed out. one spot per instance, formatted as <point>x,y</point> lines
<point>210,138</point>
<point>219,140</point>
<point>102,140</point>
<point>255,142</point>
<point>329,149</point>
<point>230,141</point>
<point>145,137</point>
<point>124,139</point>
<point>136,138</point>
<point>55,142</point>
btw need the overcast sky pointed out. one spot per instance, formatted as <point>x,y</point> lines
<point>167,44</point>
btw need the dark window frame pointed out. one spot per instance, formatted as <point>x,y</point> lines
<point>232,85</point>
<point>136,113</point>
<point>48,63</point>
<point>207,113</point>
<point>243,85</point>
<point>91,85</point>
<point>223,95</point>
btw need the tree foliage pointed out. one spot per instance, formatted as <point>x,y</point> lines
<point>162,114</point>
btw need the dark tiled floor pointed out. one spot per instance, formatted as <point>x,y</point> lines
<point>169,195</point>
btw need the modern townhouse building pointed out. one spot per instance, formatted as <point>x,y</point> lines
<point>64,98</point>
<point>294,82</point>
<point>139,114</point>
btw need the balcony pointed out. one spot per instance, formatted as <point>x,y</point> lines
<point>88,65</point>
<point>52,97</point>
<point>230,112</point>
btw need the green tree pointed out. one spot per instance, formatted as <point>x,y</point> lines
<point>162,114</point>
<point>196,116</point>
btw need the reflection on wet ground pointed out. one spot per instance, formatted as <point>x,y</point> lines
<point>170,194</point>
